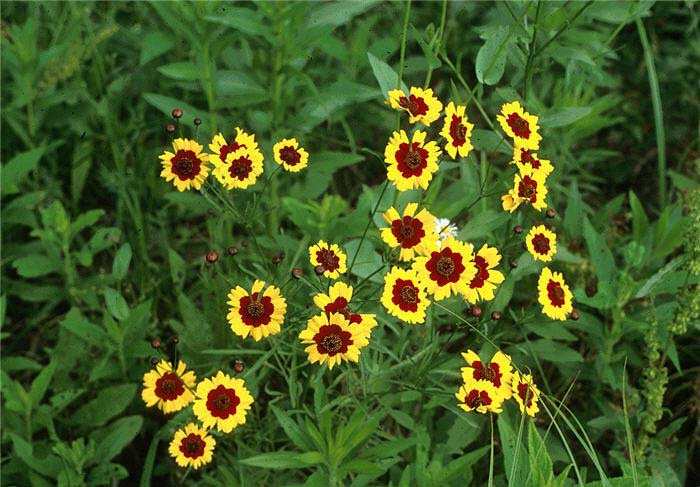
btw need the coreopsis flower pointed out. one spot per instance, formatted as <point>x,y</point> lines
<point>186,168</point>
<point>411,164</point>
<point>413,233</point>
<point>480,396</point>
<point>220,148</point>
<point>422,106</point>
<point>499,371</point>
<point>338,301</point>
<point>554,295</point>
<point>483,284</point>
<point>330,257</point>
<point>519,125</point>
<point>192,446</point>
<point>168,389</point>
<point>404,295</point>
<point>528,188</point>
<point>529,163</point>
<point>258,313</point>
<point>526,393</point>
<point>290,155</point>
<point>331,339</point>
<point>222,402</point>
<point>240,169</point>
<point>457,131</point>
<point>541,243</point>
<point>447,270</point>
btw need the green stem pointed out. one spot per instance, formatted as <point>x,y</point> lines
<point>402,58</point>
<point>563,29</point>
<point>438,42</point>
<point>369,222</point>
<point>208,85</point>
<point>531,52</point>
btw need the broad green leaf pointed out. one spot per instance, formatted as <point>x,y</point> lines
<point>386,76</point>
<point>509,439</point>
<point>17,168</point>
<point>541,472</point>
<point>246,20</point>
<point>82,328</point>
<point>600,254</point>
<point>482,224</point>
<point>49,466</point>
<point>292,429</point>
<point>122,259</point>
<point>640,221</point>
<point>116,304</point>
<point>110,402</point>
<point>114,438</point>
<point>551,351</point>
<point>337,14</point>
<point>180,71</point>
<point>84,221</point>
<point>41,384</point>
<point>563,116</point>
<point>284,459</point>
<point>36,265</point>
<point>491,58</point>
<point>153,45</point>
<point>573,215</point>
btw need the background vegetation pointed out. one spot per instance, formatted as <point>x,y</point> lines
<point>100,255</point>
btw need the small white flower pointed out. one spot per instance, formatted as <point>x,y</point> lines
<point>444,228</point>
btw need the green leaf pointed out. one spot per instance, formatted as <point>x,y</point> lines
<point>553,352</point>
<point>284,459</point>
<point>563,116</point>
<point>385,75</point>
<point>110,402</point>
<point>292,429</point>
<point>85,220</point>
<point>36,265</point>
<point>113,439</point>
<point>49,466</point>
<point>490,141</point>
<point>122,259</point>
<point>573,215</point>
<point>509,438</point>
<point>320,172</point>
<point>180,71</point>
<point>482,224</point>
<point>82,328</point>
<point>19,166</point>
<point>153,45</point>
<point>649,285</point>
<point>41,384</point>
<point>600,255</point>
<point>337,14</point>
<point>243,19</point>
<point>541,468</point>
<point>116,304</point>
<point>640,222</point>
<point>491,58</point>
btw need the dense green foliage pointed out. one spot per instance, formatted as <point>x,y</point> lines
<point>100,254</point>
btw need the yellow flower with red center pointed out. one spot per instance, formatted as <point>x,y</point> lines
<point>220,148</point>
<point>222,402</point>
<point>331,339</point>
<point>480,396</point>
<point>240,169</point>
<point>168,389</point>
<point>529,163</point>
<point>499,371</point>
<point>187,166</point>
<point>258,313</point>
<point>411,164</point>
<point>422,106</point>
<point>414,234</point>
<point>526,393</point>
<point>483,284</point>
<point>529,188</point>
<point>554,295</point>
<point>192,446</point>
<point>457,131</point>
<point>520,126</point>
<point>329,257</point>
<point>404,295</point>
<point>446,270</point>
<point>338,301</point>
<point>541,243</point>
<point>290,155</point>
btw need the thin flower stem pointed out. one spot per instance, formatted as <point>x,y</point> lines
<point>491,457</point>
<point>531,51</point>
<point>369,222</point>
<point>438,41</point>
<point>563,29</point>
<point>402,58</point>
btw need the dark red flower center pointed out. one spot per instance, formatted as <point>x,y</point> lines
<point>192,446</point>
<point>556,293</point>
<point>222,402</point>
<point>240,168</point>
<point>405,295</point>
<point>332,340</point>
<point>458,131</point>
<point>445,266</point>
<point>185,164</point>
<point>169,386</point>
<point>415,105</point>
<point>256,312</point>
<point>525,393</point>
<point>527,188</point>
<point>290,155</point>
<point>411,159</point>
<point>482,272</point>
<point>340,305</point>
<point>541,244</point>
<point>328,259</point>
<point>490,372</point>
<point>519,125</point>
<point>526,157</point>
<point>226,149</point>
<point>477,398</point>
<point>408,231</point>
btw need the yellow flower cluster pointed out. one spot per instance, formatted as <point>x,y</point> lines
<point>486,385</point>
<point>219,403</point>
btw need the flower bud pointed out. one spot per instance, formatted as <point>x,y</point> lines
<point>198,121</point>
<point>233,250</point>
<point>574,315</point>
<point>212,257</point>
<point>496,315</point>
<point>319,269</point>
<point>155,343</point>
<point>276,259</point>
<point>514,264</point>
<point>476,311</point>
<point>177,112</point>
<point>170,128</point>
<point>296,272</point>
<point>155,360</point>
<point>238,366</point>
<point>175,340</point>
<point>244,243</point>
<point>551,213</point>
<point>518,229</point>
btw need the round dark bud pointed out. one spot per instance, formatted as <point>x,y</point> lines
<point>276,259</point>
<point>155,343</point>
<point>282,254</point>
<point>198,121</point>
<point>212,257</point>
<point>319,269</point>
<point>592,289</point>
<point>233,250</point>
<point>244,243</point>
<point>296,272</point>
<point>496,315</point>
<point>177,113</point>
<point>155,360</point>
<point>551,213</point>
<point>238,367</point>
<point>476,311</point>
<point>175,340</point>
<point>170,128</point>
<point>574,315</point>
<point>518,229</point>
<point>514,263</point>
